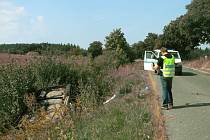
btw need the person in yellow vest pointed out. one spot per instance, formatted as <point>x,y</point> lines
<point>166,64</point>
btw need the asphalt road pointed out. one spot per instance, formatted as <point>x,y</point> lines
<point>190,117</point>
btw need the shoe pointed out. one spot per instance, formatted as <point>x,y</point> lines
<point>170,106</point>
<point>164,107</point>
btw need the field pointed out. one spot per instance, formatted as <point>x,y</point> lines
<point>133,113</point>
<point>9,58</point>
<point>94,82</point>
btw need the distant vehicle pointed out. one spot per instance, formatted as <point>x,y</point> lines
<point>151,57</point>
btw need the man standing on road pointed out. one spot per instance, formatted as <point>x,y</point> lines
<point>166,64</point>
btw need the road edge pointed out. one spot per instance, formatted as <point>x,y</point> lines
<point>157,116</point>
<point>197,70</point>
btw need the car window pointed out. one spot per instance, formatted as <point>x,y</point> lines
<point>176,55</point>
<point>156,53</point>
<point>150,55</point>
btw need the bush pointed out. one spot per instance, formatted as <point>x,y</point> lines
<point>122,58</point>
<point>194,54</point>
<point>95,49</point>
<point>15,81</point>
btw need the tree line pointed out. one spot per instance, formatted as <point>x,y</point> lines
<point>184,34</point>
<point>43,48</point>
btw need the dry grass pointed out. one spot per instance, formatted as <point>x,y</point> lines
<point>15,58</point>
<point>157,117</point>
<point>201,64</point>
<point>43,126</point>
<point>126,117</point>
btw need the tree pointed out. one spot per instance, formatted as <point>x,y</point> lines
<point>116,40</point>
<point>158,42</point>
<point>198,19</point>
<point>191,29</point>
<point>150,41</point>
<point>117,43</point>
<point>139,49</point>
<point>176,36</point>
<point>95,49</point>
<point>122,58</point>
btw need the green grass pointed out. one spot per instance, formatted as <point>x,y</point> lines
<point>16,81</point>
<point>125,118</point>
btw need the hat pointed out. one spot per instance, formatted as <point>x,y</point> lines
<point>163,49</point>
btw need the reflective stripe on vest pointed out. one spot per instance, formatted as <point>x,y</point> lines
<point>168,66</point>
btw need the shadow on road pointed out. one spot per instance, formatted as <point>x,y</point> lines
<point>191,105</point>
<point>188,74</point>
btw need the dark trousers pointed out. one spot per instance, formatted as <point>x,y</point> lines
<point>167,96</point>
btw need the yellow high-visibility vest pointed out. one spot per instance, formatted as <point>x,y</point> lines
<point>168,66</point>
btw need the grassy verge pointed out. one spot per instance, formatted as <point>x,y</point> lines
<point>125,118</point>
<point>16,81</point>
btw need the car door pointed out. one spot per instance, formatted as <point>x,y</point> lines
<point>149,59</point>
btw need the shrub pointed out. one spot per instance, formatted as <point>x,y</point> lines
<point>95,49</point>
<point>14,82</point>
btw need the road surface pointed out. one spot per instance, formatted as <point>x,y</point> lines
<point>190,118</point>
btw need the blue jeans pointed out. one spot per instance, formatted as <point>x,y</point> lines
<point>167,97</point>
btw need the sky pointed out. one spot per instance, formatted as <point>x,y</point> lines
<point>81,22</point>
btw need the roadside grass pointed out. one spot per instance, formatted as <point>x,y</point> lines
<point>125,118</point>
<point>42,129</point>
<point>201,64</point>
<point>16,81</point>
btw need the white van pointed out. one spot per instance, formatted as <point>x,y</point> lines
<point>151,57</point>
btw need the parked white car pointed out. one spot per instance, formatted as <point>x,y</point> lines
<point>151,57</point>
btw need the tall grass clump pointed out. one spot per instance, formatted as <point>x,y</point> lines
<point>94,86</point>
<point>14,82</point>
<point>49,73</point>
<point>87,85</point>
<point>125,117</point>
<point>120,120</point>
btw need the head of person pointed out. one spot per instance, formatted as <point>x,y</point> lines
<point>163,50</point>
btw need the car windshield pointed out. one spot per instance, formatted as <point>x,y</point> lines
<point>175,54</point>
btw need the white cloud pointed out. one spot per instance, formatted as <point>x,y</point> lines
<point>9,16</point>
<point>19,10</point>
<point>16,24</point>
<point>40,18</point>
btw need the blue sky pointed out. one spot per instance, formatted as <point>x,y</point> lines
<point>84,21</point>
